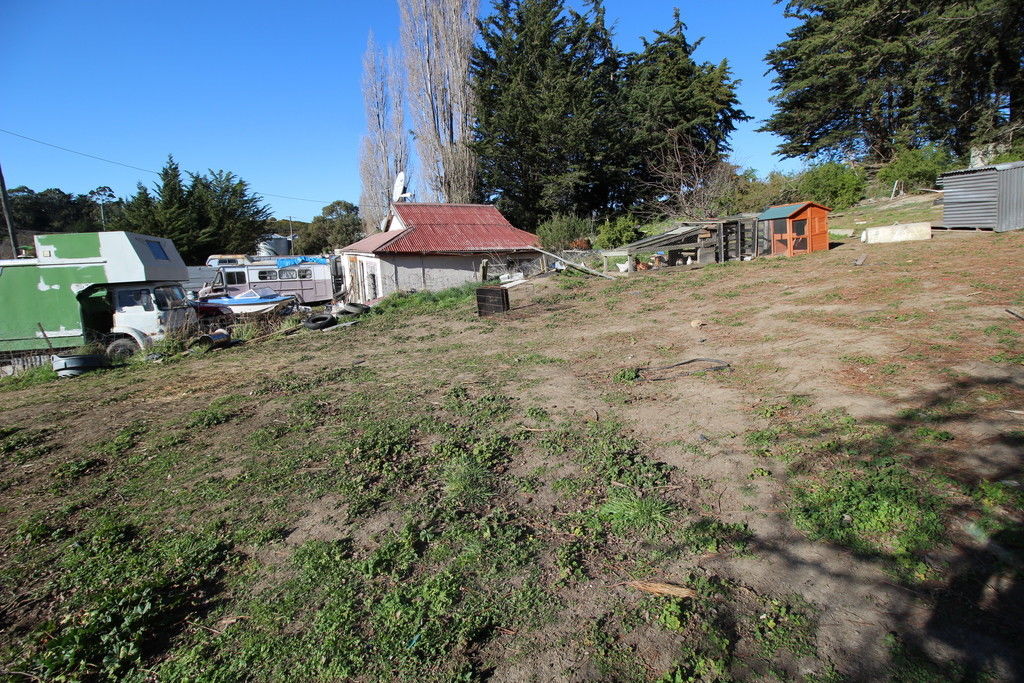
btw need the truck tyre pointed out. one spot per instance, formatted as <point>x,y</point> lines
<point>355,309</point>
<point>320,322</point>
<point>121,349</point>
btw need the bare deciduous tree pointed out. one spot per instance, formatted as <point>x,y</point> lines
<point>687,181</point>
<point>437,42</point>
<point>385,149</point>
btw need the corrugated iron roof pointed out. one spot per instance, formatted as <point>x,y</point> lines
<point>370,244</point>
<point>991,167</point>
<point>786,210</point>
<point>436,228</point>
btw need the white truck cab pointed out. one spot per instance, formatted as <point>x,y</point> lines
<point>119,289</point>
<point>147,312</point>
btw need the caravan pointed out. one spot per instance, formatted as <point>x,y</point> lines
<point>310,279</point>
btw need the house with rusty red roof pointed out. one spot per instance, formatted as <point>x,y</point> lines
<point>430,247</point>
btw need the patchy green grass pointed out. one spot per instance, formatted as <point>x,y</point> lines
<point>42,374</point>
<point>708,535</point>
<point>428,302</point>
<point>875,510</point>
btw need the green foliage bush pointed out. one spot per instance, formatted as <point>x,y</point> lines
<point>754,194</point>
<point>615,233</point>
<point>1015,152</point>
<point>917,168</point>
<point>558,231</point>
<point>835,185</point>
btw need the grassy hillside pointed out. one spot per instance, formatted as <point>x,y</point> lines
<point>433,496</point>
<point>874,212</point>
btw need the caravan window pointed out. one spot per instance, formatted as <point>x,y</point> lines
<point>289,274</point>
<point>267,275</point>
<point>234,277</point>
<point>157,250</point>
<point>305,274</point>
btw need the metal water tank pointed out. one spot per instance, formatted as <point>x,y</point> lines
<point>273,245</point>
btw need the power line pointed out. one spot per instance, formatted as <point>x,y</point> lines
<point>139,168</point>
<point>83,154</point>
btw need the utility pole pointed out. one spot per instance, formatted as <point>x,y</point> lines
<point>5,205</point>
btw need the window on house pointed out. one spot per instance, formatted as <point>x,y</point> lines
<point>235,277</point>
<point>289,274</point>
<point>305,274</point>
<point>266,275</point>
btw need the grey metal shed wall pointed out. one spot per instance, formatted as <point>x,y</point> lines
<point>1011,199</point>
<point>971,199</point>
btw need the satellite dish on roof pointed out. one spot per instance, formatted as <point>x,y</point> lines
<point>398,191</point>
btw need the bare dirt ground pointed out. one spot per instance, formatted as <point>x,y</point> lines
<point>786,327</point>
<point>914,347</point>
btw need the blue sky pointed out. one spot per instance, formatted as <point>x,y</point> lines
<point>270,91</point>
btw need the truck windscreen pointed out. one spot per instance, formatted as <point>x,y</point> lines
<point>168,297</point>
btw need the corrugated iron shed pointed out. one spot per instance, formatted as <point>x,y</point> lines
<point>447,228</point>
<point>990,197</point>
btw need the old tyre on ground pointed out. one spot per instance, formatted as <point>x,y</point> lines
<point>355,309</point>
<point>75,365</point>
<point>122,348</point>
<point>320,322</point>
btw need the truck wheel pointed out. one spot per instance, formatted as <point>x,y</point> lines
<point>121,349</point>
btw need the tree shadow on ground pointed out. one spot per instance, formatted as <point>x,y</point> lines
<point>973,602</point>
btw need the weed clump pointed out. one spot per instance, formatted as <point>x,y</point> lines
<point>627,376</point>
<point>646,514</point>
<point>419,303</point>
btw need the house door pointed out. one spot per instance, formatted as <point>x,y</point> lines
<point>799,237</point>
<point>782,239</point>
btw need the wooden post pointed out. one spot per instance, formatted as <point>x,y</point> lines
<point>5,206</point>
